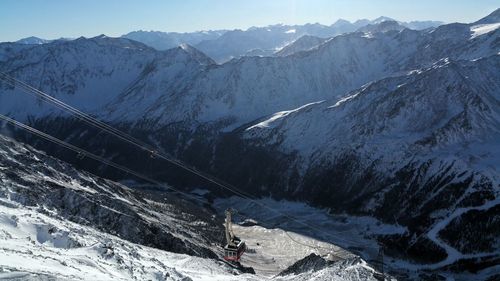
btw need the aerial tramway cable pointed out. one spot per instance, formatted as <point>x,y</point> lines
<point>121,135</point>
<point>88,154</point>
<point>140,144</point>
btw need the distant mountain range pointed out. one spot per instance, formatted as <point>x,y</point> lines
<point>32,40</point>
<point>167,40</point>
<point>223,45</point>
<point>262,41</point>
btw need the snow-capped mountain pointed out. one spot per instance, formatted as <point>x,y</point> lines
<point>249,88</point>
<point>419,149</point>
<point>255,41</point>
<point>167,40</point>
<point>383,26</point>
<point>422,114</point>
<point>270,39</point>
<point>264,41</point>
<point>109,76</point>
<point>421,25</point>
<point>125,81</point>
<point>32,40</point>
<point>416,25</point>
<point>92,72</point>
<point>308,42</point>
<point>400,125</point>
<point>304,43</point>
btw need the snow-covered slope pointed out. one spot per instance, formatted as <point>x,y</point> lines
<point>249,88</point>
<point>89,73</point>
<point>304,43</point>
<point>127,82</point>
<point>422,147</point>
<point>9,50</point>
<point>97,72</point>
<point>58,223</point>
<point>270,39</point>
<point>35,181</point>
<point>41,246</point>
<point>385,104</point>
<point>487,24</point>
<point>381,24</point>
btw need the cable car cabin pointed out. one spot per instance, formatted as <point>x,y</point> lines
<point>234,252</point>
<point>234,247</point>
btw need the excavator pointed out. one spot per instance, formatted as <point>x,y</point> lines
<point>234,248</point>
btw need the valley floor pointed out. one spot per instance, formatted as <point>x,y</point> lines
<point>334,237</point>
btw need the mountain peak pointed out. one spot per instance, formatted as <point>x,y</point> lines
<point>114,40</point>
<point>382,19</point>
<point>32,40</point>
<point>167,40</point>
<point>383,26</point>
<point>101,36</point>
<point>362,22</point>
<point>341,22</point>
<point>196,54</point>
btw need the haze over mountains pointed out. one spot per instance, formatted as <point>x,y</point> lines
<point>223,45</point>
<point>398,122</point>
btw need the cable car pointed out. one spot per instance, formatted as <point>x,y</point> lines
<point>234,248</point>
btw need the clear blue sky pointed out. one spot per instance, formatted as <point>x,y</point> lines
<point>73,18</point>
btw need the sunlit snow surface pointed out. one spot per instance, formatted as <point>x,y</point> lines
<point>35,246</point>
<point>268,122</point>
<point>481,29</point>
